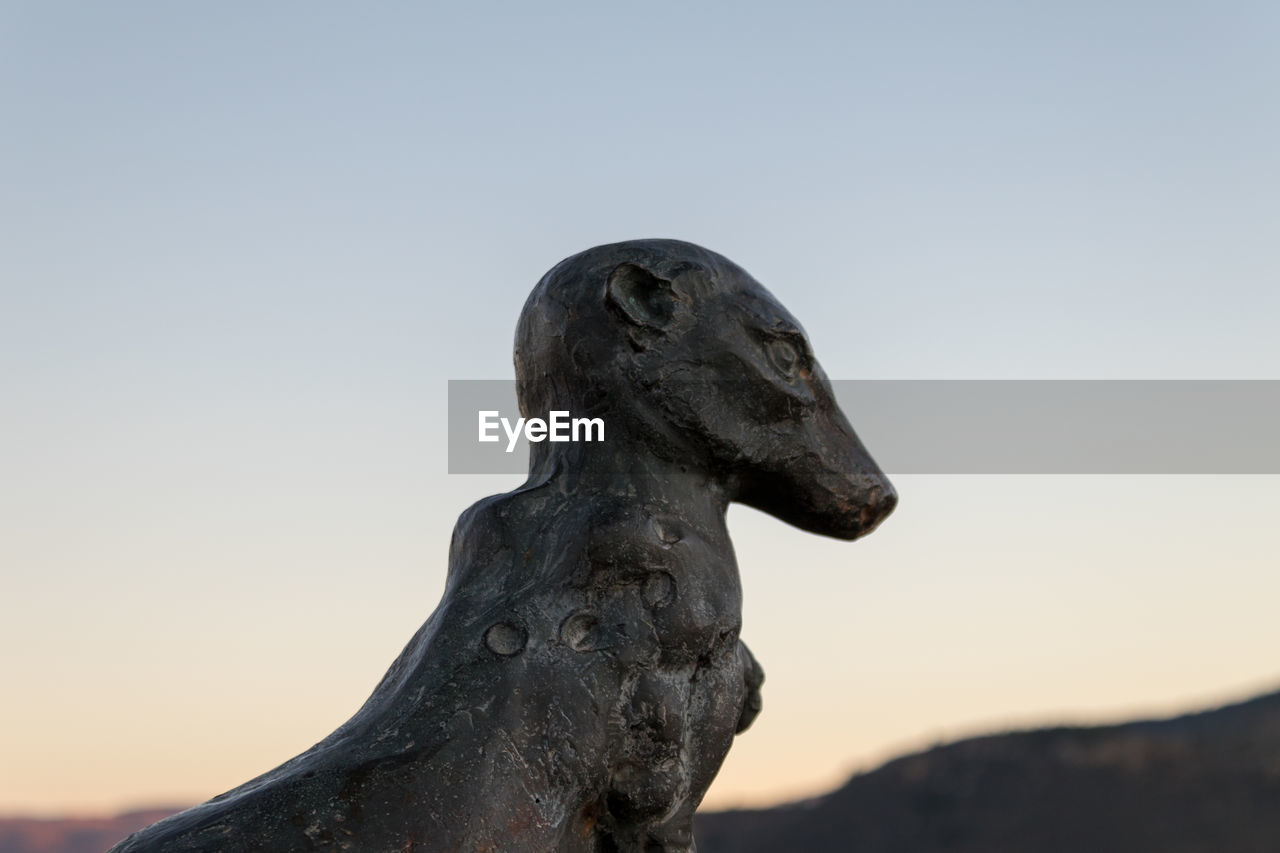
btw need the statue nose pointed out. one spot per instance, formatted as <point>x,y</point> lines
<point>883,500</point>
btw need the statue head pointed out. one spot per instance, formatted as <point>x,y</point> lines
<point>690,359</point>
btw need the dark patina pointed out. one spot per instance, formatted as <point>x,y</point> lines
<point>582,679</point>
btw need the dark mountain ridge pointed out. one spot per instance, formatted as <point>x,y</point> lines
<point>73,834</point>
<point>1206,782</point>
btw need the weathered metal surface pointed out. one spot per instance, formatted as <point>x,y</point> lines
<point>582,679</point>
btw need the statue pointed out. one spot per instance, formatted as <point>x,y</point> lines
<point>582,679</point>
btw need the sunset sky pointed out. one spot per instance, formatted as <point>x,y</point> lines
<point>246,245</point>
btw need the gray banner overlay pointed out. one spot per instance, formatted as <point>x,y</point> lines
<point>990,426</point>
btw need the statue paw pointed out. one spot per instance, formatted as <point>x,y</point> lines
<point>753,677</point>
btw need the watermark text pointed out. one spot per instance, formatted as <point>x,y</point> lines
<point>559,426</point>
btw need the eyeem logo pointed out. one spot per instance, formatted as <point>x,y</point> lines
<point>560,427</point>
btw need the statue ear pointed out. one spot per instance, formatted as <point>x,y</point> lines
<point>643,298</point>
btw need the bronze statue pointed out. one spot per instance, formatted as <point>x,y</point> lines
<point>581,681</point>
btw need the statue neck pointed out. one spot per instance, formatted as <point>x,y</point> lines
<point>615,469</point>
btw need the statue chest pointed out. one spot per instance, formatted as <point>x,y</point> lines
<point>655,592</point>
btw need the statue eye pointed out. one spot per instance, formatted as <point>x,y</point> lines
<point>784,357</point>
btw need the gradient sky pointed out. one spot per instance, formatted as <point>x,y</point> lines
<point>244,245</point>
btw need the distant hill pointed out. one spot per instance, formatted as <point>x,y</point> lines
<point>1200,783</point>
<point>72,835</point>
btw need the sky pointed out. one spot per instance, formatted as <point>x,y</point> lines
<point>244,246</point>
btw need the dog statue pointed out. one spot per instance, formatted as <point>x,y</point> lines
<point>581,681</point>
